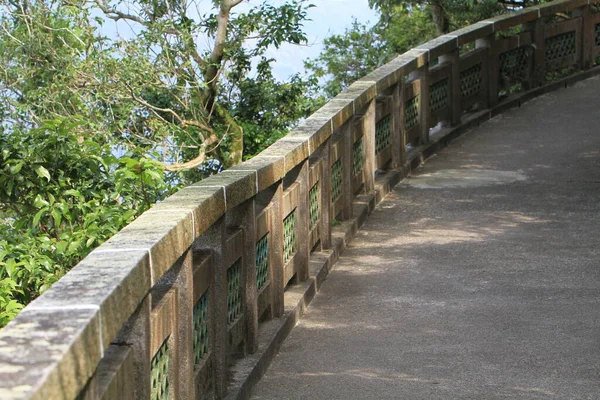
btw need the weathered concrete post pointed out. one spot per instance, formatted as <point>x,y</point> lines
<point>424,110</point>
<point>181,278</point>
<point>214,240</point>
<point>453,58</point>
<point>398,138</point>
<point>325,180</point>
<point>244,218</point>
<point>204,292</point>
<point>489,75</point>
<point>368,128</point>
<point>347,168</point>
<point>276,250</point>
<point>587,36</point>
<point>136,335</point>
<point>303,227</point>
<point>539,51</point>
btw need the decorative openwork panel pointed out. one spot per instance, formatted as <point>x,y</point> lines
<point>438,95</point>
<point>514,65</point>
<point>289,236</point>
<point>314,204</point>
<point>411,112</point>
<point>561,46</point>
<point>357,161</point>
<point>159,373</point>
<point>595,8</point>
<point>383,133</point>
<point>262,262</point>
<point>234,291</point>
<point>200,328</point>
<point>470,81</point>
<point>597,34</point>
<point>336,180</point>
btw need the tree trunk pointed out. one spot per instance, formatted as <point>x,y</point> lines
<point>211,77</point>
<point>440,19</point>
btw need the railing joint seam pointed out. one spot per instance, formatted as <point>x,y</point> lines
<point>256,172</point>
<point>214,186</point>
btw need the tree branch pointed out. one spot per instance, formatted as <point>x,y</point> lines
<point>116,15</point>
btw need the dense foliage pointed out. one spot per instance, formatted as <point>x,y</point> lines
<point>95,127</point>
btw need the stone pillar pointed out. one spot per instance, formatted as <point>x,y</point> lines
<point>184,282</point>
<point>490,70</point>
<point>325,227</point>
<point>243,217</point>
<point>588,39</point>
<point>276,250</point>
<point>136,335</point>
<point>424,112</point>
<point>398,139</point>
<point>454,86</point>
<point>303,224</point>
<point>368,128</point>
<point>214,240</point>
<point>539,52</point>
<point>347,168</point>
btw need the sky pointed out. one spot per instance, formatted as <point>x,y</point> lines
<point>328,17</point>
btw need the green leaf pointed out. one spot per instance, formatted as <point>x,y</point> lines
<point>72,192</point>
<point>13,305</point>
<point>90,241</point>
<point>9,265</point>
<point>38,216</point>
<point>43,172</point>
<point>57,217</point>
<point>39,202</point>
<point>74,246</point>
<point>14,169</point>
<point>61,246</point>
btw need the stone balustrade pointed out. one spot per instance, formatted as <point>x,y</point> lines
<point>172,303</point>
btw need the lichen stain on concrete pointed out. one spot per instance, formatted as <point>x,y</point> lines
<point>463,178</point>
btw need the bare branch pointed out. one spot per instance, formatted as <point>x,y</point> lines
<point>116,15</point>
<point>182,121</point>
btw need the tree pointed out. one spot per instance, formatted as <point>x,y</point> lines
<point>193,100</point>
<point>96,128</point>
<point>402,25</point>
<point>360,49</point>
<point>445,15</point>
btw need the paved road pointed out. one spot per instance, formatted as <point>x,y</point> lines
<point>476,278</point>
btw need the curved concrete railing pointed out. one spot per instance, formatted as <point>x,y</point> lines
<point>164,307</point>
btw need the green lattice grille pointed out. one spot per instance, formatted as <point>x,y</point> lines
<point>159,373</point>
<point>514,65</point>
<point>234,291</point>
<point>357,160</point>
<point>336,180</point>
<point>289,236</point>
<point>597,34</point>
<point>438,95</point>
<point>470,81</point>
<point>201,328</point>
<point>560,46</point>
<point>383,133</point>
<point>314,204</point>
<point>262,262</point>
<point>411,112</point>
